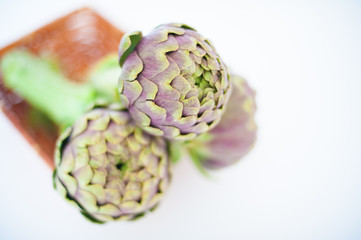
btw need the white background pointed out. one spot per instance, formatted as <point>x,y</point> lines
<point>301,181</point>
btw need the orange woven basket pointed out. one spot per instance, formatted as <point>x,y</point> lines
<point>77,41</point>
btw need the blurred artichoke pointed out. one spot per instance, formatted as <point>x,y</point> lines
<point>173,81</point>
<point>109,167</point>
<point>235,134</point>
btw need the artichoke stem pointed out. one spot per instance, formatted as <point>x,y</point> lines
<point>42,85</point>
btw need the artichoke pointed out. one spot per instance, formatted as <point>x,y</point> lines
<point>235,134</point>
<point>173,81</point>
<point>109,167</point>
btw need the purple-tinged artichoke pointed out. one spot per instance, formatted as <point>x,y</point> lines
<point>109,167</point>
<point>235,134</point>
<point>173,81</point>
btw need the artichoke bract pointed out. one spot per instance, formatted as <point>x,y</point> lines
<point>235,134</point>
<point>173,81</point>
<point>109,167</point>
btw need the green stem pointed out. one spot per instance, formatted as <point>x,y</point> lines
<point>41,84</point>
<point>197,157</point>
<point>175,149</point>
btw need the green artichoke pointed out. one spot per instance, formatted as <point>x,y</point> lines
<point>109,167</point>
<point>235,134</point>
<point>173,81</point>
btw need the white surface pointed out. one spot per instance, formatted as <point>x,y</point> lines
<point>302,180</point>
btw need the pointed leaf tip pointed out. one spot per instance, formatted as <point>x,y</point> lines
<point>90,218</point>
<point>185,26</point>
<point>128,44</point>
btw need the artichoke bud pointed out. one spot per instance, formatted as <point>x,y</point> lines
<point>173,81</point>
<point>109,167</point>
<point>235,134</point>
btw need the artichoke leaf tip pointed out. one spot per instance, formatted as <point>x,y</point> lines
<point>128,44</point>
